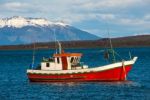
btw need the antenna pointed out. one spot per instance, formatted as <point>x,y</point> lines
<point>60,50</point>
<point>55,40</point>
<point>59,44</point>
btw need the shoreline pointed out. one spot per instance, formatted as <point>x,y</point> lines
<point>122,42</point>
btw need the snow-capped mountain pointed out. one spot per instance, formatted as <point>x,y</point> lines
<point>20,30</point>
<point>18,22</point>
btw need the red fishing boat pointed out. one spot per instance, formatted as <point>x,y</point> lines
<point>66,67</point>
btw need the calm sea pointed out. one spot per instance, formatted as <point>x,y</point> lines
<point>14,84</point>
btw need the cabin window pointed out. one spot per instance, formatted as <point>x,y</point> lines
<point>47,64</point>
<point>71,59</point>
<point>58,60</point>
<point>76,60</point>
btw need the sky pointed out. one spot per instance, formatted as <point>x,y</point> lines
<point>117,17</point>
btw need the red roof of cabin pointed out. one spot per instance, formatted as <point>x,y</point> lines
<point>68,54</point>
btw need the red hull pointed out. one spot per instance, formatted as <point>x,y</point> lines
<point>115,74</point>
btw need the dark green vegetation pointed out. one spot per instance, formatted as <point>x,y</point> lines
<point>131,41</point>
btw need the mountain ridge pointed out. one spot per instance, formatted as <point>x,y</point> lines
<point>20,30</point>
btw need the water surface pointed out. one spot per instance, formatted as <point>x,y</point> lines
<point>14,84</point>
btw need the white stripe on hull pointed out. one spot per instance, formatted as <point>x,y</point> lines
<point>96,69</point>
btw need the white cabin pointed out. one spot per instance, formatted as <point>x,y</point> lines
<point>63,61</point>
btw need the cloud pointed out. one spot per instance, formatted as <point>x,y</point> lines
<point>143,21</point>
<point>131,14</point>
<point>115,11</point>
<point>14,6</point>
<point>141,34</point>
<point>147,17</point>
<point>109,5</point>
<point>71,11</point>
<point>112,19</point>
<point>121,3</point>
<point>9,9</point>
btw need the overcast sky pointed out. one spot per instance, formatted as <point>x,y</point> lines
<point>120,17</point>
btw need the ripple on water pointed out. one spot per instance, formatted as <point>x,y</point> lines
<point>14,84</point>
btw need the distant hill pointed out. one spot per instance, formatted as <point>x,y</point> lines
<point>131,41</point>
<point>139,40</point>
<point>19,30</point>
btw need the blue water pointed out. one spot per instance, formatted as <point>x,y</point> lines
<point>14,84</point>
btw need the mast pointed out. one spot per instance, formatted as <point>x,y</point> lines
<point>33,56</point>
<point>111,46</point>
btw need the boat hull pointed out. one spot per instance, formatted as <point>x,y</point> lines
<point>113,74</point>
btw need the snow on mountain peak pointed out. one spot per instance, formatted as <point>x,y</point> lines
<point>18,22</point>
